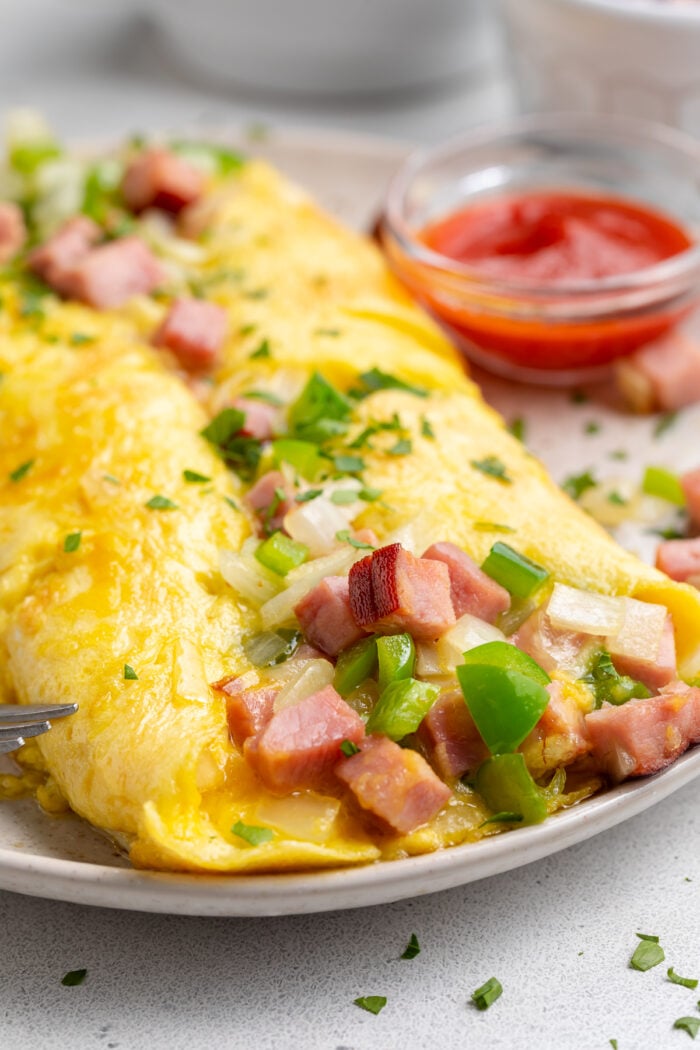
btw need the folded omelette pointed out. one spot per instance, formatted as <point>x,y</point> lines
<point>181,482</point>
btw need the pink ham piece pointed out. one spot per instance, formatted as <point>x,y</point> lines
<point>450,738</point>
<point>13,232</point>
<point>261,419</point>
<point>193,331</point>
<point>471,590</point>
<point>664,374</point>
<point>655,672</point>
<point>560,736</point>
<point>161,179</point>
<point>300,744</point>
<point>112,273</point>
<point>691,489</point>
<point>644,736</point>
<point>325,616</point>
<point>394,783</point>
<point>680,559</point>
<point>56,259</point>
<point>263,496</point>
<point>393,591</point>
<point>248,711</point>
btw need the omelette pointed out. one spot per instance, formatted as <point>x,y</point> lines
<point>315,603</point>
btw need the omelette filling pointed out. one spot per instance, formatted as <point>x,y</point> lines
<point>400,675</point>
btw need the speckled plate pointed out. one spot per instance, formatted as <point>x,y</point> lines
<point>65,859</point>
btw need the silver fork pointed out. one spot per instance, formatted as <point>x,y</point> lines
<point>19,722</point>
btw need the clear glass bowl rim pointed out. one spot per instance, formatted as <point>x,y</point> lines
<point>683,266</point>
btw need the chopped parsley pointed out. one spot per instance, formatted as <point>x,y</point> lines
<point>669,533</point>
<point>487,994</point>
<point>246,329</point>
<point>494,467</point>
<point>687,982</point>
<point>130,674</point>
<point>349,749</point>
<point>345,536</point>
<point>369,495</point>
<point>343,496</point>
<point>231,502</point>
<point>72,542</point>
<point>373,1004</point>
<point>159,502</point>
<point>608,685</point>
<point>613,1043</point>
<point>111,479</point>
<point>348,464</point>
<point>592,427</point>
<point>330,332</point>
<point>375,380</point>
<point>665,422</point>
<point>306,497</point>
<point>22,470</point>
<point>403,447</point>
<point>412,948</point>
<point>647,954</point>
<point>615,498</point>
<point>619,453</point>
<point>257,293</point>
<point>691,1025</point>
<point>252,834</point>
<point>238,451</point>
<point>194,478</point>
<point>491,526</point>
<point>263,351</point>
<point>576,484</point>
<point>73,978</point>
<point>81,339</point>
<point>320,412</point>
<point>426,428</point>
<point>517,428</point>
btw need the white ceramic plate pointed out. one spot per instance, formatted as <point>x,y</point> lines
<point>65,859</point>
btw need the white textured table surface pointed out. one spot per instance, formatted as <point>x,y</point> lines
<point>558,934</point>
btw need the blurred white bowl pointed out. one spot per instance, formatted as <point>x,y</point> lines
<point>328,46</point>
<point>634,57</point>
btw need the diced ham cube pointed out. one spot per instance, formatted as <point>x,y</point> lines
<point>451,740</point>
<point>560,736</point>
<point>13,232</point>
<point>325,616</point>
<point>366,536</point>
<point>161,179</point>
<point>644,736</point>
<point>193,331</point>
<point>679,559</point>
<point>472,591</point>
<point>56,259</point>
<point>691,488</point>
<point>261,419</point>
<point>394,783</point>
<point>656,671</point>
<point>664,374</point>
<point>263,496</point>
<point>391,590</point>
<point>248,710</point>
<point>110,275</point>
<point>300,744</point>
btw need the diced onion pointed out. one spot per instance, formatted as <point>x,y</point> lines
<point>576,610</point>
<point>59,186</point>
<point>305,816</point>
<point>190,680</point>
<point>640,634</point>
<point>315,524</point>
<point>266,649</point>
<point>611,502</point>
<point>246,575</point>
<point>428,663</point>
<point>415,536</point>
<point>25,126</point>
<point>314,675</point>
<point>467,633</point>
<point>278,611</point>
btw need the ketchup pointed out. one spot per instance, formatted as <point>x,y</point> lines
<point>532,248</point>
<point>556,237</point>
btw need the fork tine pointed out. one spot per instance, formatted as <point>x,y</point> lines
<point>35,729</point>
<point>27,714</point>
<point>11,744</point>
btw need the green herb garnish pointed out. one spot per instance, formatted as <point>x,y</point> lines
<point>263,395</point>
<point>320,411</point>
<point>647,954</point>
<point>306,497</point>
<point>517,428</point>
<point>576,484</point>
<point>691,1025</point>
<point>665,422</point>
<point>22,470</point>
<point>487,994</point>
<point>608,685</point>
<point>349,464</point>
<point>263,351</point>
<point>238,451</point>
<point>369,495</point>
<point>194,478</point>
<point>345,536</point>
<point>403,447</point>
<point>426,429</point>
<point>373,1004</point>
<point>73,978</point>
<point>344,496</point>
<point>592,427</point>
<point>72,542</point>
<point>375,380</point>
<point>252,834</point>
<point>81,339</point>
<point>111,479</point>
<point>494,468</point>
<point>159,502</point>
<point>412,948</point>
<point>349,749</point>
<point>130,674</point>
<point>687,982</point>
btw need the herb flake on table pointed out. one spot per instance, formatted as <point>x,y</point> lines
<point>664,423</point>
<point>373,1004</point>
<point>592,427</point>
<point>691,1025</point>
<point>493,467</point>
<point>576,484</point>
<point>412,949</point>
<point>487,994</point>
<point>647,954</point>
<point>252,834</point>
<point>73,978</point>
<point>517,428</point>
<point>72,542</point>
<point>674,978</point>
<point>130,674</point>
<point>159,502</point>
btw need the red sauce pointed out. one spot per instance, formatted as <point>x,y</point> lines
<point>556,237</point>
<point>550,239</point>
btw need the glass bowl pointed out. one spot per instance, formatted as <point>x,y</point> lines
<point>536,331</point>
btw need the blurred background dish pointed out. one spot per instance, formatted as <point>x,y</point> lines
<point>334,47</point>
<point>634,57</point>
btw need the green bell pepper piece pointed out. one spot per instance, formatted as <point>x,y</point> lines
<point>518,574</point>
<point>280,553</point>
<point>397,658</point>
<point>402,707</point>
<point>355,665</point>
<point>505,785</point>
<point>303,456</point>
